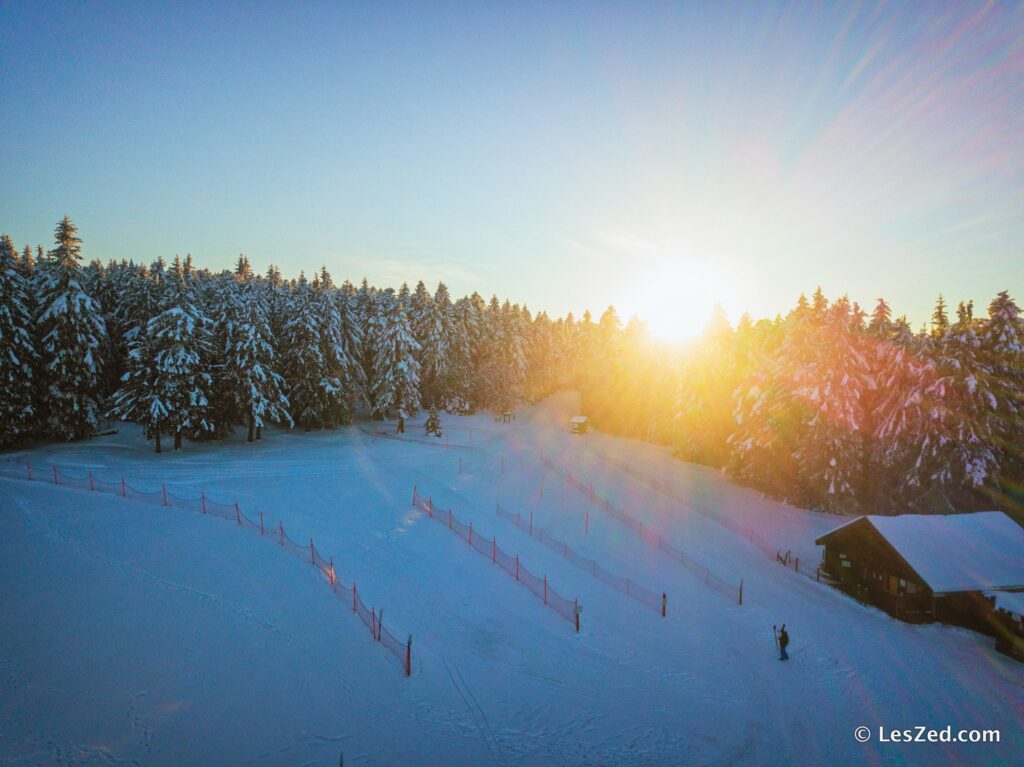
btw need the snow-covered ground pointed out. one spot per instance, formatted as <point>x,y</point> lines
<point>133,634</point>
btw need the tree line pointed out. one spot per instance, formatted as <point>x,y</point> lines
<point>827,407</point>
<point>830,407</point>
<point>190,354</point>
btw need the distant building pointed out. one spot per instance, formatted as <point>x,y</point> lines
<point>963,569</point>
<point>578,424</point>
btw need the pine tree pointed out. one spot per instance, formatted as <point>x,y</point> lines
<point>433,424</point>
<point>395,382</point>
<point>435,331</point>
<point>72,335</point>
<point>17,354</point>
<point>1002,339</point>
<point>167,386</point>
<point>247,376</point>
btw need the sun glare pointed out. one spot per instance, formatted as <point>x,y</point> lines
<point>676,299</point>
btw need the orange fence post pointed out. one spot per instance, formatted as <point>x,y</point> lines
<point>576,613</point>
<point>332,570</point>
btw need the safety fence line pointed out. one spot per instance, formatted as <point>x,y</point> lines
<point>759,541</point>
<point>349,595</point>
<point>510,563</point>
<point>627,586</point>
<point>649,536</point>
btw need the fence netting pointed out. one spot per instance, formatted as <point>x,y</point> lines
<point>655,600</point>
<point>348,596</point>
<point>647,535</point>
<point>510,563</point>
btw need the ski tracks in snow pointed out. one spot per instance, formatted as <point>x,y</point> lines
<point>479,717</point>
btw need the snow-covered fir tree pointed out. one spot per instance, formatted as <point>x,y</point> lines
<point>254,390</point>
<point>167,385</point>
<point>395,383</point>
<point>17,352</point>
<point>72,334</point>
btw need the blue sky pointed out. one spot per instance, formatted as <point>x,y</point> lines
<point>657,156</point>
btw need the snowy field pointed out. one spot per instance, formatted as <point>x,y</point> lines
<point>134,634</point>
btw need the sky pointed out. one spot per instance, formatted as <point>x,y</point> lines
<point>659,157</point>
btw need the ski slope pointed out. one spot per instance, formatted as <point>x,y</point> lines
<point>133,634</point>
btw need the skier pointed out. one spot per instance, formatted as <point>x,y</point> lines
<point>783,643</point>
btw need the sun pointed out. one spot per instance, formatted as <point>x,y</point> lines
<point>675,299</point>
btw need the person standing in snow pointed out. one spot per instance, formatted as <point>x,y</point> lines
<point>783,643</point>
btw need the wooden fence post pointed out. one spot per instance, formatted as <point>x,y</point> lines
<point>54,467</point>
<point>92,486</point>
<point>238,514</point>
<point>312,552</point>
<point>28,468</point>
<point>741,591</point>
<point>545,589</point>
<point>664,599</point>
<point>165,493</point>
<point>408,656</point>
<point>124,490</point>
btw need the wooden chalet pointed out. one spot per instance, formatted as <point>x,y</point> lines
<point>922,568</point>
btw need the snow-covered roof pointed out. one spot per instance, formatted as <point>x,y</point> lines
<point>1011,601</point>
<point>956,552</point>
<point>578,419</point>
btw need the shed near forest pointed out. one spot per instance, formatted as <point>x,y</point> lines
<point>922,568</point>
<point>578,424</point>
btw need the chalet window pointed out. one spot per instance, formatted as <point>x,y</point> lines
<point>892,584</point>
<point>911,587</point>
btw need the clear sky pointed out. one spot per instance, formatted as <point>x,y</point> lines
<point>656,156</point>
